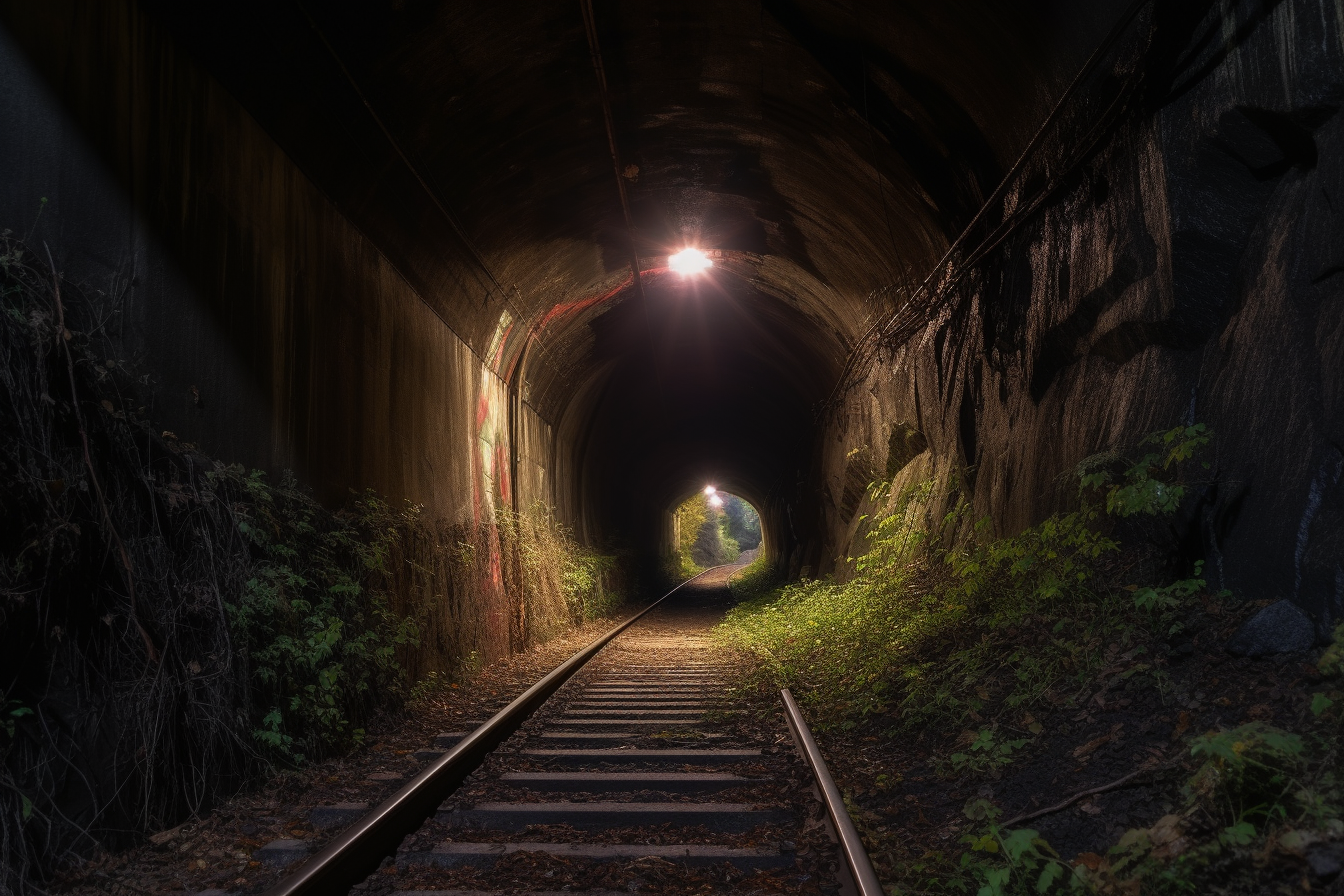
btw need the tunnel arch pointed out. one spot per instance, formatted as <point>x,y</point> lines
<point>821,156</point>
<point>669,540</point>
<point>432,169</point>
<point>712,353</point>
<point>415,247</point>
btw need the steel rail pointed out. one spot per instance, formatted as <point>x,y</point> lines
<point>856,857</point>
<point>357,852</point>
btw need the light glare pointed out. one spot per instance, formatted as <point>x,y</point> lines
<point>709,489</point>
<point>689,261</point>
<point>715,500</point>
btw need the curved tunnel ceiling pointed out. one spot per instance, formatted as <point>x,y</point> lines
<point>821,149</point>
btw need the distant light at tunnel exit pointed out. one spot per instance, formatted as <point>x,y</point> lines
<point>715,501</point>
<point>689,261</point>
<point>709,489</point>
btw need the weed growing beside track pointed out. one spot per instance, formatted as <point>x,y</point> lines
<point>174,627</point>
<point>944,629</point>
<point>942,625</point>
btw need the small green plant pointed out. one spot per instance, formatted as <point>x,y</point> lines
<point>1170,597</point>
<point>1148,485</point>
<point>1248,774</point>
<point>986,753</point>
<point>10,713</point>
<point>1009,862</point>
<point>1166,603</point>
<point>319,636</point>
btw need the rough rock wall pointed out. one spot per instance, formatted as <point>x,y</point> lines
<point>1192,270</point>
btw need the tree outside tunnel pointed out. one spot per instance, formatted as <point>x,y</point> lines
<point>713,528</point>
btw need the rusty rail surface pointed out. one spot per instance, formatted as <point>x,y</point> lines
<point>357,852</point>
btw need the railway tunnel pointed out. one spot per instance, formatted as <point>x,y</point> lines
<point>482,182</point>
<point>431,250</point>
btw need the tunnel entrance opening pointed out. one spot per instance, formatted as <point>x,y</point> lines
<point>713,528</point>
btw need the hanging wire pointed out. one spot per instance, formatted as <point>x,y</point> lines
<point>924,299</point>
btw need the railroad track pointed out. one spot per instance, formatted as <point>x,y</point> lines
<point>625,769</point>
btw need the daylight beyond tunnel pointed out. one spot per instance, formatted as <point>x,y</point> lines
<point>422,247</point>
<point>522,173</point>
<point>709,381</point>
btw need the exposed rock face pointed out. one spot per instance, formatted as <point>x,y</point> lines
<point>1191,270</point>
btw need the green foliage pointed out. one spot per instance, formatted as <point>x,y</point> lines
<point>944,625</point>
<point>987,752</point>
<point>559,580</point>
<point>711,546</point>
<point>1331,662</point>
<point>10,713</point>
<point>708,536</point>
<point>741,522</point>
<point>317,631</point>
<point>1148,485</point>
<point>936,636</point>
<point>1009,862</point>
<point>754,579</point>
<point>690,516</point>
<point>1248,772</point>
<point>1258,790</point>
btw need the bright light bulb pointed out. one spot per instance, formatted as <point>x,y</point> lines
<point>689,261</point>
<point>709,489</point>
<point>716,500</point>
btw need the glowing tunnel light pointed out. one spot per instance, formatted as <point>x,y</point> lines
<point>709,489</point>
<point>689,261</point>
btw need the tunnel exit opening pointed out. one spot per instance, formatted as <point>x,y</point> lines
<point>712,527</point>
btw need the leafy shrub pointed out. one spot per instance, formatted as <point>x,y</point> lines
<point>1248,773</point>
<point>942,625</point>
<point>754,579</point>
<point>1146,486</point>
<point>558,580</point>
<point>1010,862</point>
<point>318,634</point>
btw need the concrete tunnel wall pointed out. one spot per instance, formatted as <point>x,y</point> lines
<point>271,332</point>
